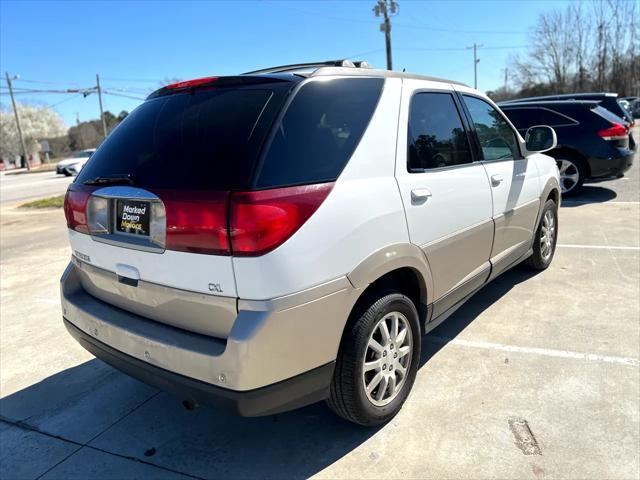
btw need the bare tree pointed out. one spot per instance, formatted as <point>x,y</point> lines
<point>585,47</point>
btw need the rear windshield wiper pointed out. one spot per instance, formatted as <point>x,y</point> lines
<point>124,179</point>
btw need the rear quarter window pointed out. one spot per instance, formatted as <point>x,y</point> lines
<point>319,132</point>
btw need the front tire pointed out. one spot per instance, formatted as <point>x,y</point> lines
<point>378,361</point>
<point>545,238</point>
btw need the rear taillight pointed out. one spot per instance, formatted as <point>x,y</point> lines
<point>261,221</point>
<point>616,131</point>
<point>196,221</point>
<point>75,208</point>
<point>216,223</point>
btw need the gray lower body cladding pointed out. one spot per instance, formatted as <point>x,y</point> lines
<point>301,390</point>
<point>291,342</point>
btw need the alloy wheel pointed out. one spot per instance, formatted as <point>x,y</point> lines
<point>547,235</point>
<point>387,359</point>
<point>569,175</point>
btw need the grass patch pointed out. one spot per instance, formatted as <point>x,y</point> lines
<point>51,202</point>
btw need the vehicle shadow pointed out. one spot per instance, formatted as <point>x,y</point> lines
<point>590,194</point>
<point>205,442</point>
<point>438,338</point>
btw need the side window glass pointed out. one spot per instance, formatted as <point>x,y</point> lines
<point>436,135</point>
<point>497,139</point>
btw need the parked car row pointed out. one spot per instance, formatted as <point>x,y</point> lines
<point>594,134</point>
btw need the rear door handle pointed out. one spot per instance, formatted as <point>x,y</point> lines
<point>496,180</point>
<point>420,195</point>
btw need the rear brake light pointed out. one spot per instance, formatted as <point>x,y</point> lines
<point>196,221</point>
<point>262,220</point>
<point>75,206</point>
<point>616,131</point>
<point>191,83</point>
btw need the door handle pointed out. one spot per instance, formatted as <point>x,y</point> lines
<point>420,195</point>
<point>496,180</point>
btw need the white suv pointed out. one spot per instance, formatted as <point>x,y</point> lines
<point>273,239</point>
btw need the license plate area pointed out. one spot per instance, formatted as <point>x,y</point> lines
<point>133,217</point>
<point>128,217</point>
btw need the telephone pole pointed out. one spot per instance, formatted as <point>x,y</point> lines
<point>15,111</point>
<point>476,60</point>
<point>104,121</point>
<point>386,8</point>
<point>506,79</point>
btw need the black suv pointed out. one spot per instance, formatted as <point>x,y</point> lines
<point>592,141</point>
<point>608,100</point>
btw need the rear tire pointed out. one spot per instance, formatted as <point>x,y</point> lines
<point>572,174</point>
<point>366,356</point>
<point>66,173</point>
<point>545,238</point>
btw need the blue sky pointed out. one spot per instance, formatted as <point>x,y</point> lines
<point>136,45</point>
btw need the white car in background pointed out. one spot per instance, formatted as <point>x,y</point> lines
<point>72,165</point>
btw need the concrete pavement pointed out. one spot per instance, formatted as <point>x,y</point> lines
<point>558,350</point>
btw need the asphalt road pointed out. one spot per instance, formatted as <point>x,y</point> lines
<point>30,186</point>
<point>537,376</point>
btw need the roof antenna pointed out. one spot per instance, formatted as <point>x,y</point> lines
<point>403,70</point>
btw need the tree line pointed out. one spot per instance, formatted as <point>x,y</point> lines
<point>43,123</point>
<point>588,46</point>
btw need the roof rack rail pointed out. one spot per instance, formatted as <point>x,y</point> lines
<point>303,66</point>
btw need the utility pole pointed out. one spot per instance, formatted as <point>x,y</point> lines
<point>506,78</point>
<point>15,111</point>
<point>386,8</point>
<point>476,60</point>
<point>104,121</point>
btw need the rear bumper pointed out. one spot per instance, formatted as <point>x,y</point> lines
<point>610,167</point>
<point>301,390</point>
<point>278,355</point>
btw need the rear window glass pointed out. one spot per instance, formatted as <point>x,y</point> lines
<point>607,114</point>
<point>319,132</point>
<point>207,140</point>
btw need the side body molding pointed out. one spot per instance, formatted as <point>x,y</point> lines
<point>393,257</point>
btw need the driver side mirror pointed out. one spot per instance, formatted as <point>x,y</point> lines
<point>540,139</point>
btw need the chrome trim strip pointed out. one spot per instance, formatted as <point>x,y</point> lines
<point>155,242</point>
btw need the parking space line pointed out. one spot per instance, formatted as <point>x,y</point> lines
<point>601,247</point>
<point>547,352</point>
<point>586,202</point>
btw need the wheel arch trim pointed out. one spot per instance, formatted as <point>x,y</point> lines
<point>549,187</point>
<point>394,257</point>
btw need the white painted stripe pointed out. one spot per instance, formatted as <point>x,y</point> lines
<point>586,202</point>
<point>547,352</point>
<point>600,247</point>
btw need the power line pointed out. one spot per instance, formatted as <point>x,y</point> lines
<point>66,100</point>
<point>405,25</point>
<point>122,95</point>
<point>147,80</point>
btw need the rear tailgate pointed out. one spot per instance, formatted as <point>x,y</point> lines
<point>149,210</point>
